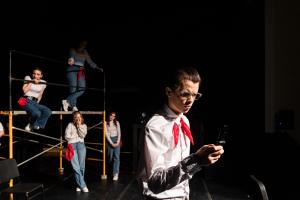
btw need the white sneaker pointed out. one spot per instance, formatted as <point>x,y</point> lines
<point>28,127</point>
<point>116,177</point>
<point>85,189</point>
<point>65,105</point>
<point>78,189</point>
<point>75,108</point>
<point>36,128</point>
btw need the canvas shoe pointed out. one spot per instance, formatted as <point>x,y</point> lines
<point>65,105</point>
<point>74,109</point>
<point>78,189</point>
<point>85,189</point>
<point>36,128</point>
<point>28,127</point>
<point>116,177</point>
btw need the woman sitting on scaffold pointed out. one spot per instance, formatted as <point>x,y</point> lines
<point>33,89</point>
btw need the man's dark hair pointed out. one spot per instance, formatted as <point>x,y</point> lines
<point>182,73</point>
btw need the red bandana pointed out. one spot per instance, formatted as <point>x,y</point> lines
<point>185,129</point>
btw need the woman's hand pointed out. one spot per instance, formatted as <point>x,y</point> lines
<point>77,121</point>
<point>71,61</point>
<point>114,145</point>
<point>36,81</point>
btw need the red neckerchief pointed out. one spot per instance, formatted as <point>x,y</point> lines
<point>185,129</point>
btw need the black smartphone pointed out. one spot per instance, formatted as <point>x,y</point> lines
<point>223,132</point>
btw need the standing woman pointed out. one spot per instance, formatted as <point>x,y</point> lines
<point>1,131</point>
<point>78,57</point>
<point>113,136</point>
<point>33,89</point>
<point>75,133</point>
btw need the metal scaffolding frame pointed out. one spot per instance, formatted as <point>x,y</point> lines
<point>12,113</point>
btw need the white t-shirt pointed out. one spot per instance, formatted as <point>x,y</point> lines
<point>1,128</point>
<point>35,89</point>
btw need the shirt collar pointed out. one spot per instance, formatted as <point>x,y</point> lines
<point>171,114</point>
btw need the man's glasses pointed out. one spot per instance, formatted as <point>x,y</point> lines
<point>186,95</point>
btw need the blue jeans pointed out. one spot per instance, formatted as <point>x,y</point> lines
<point>77,85</point>
<point>39,114</point>
<point>78,163</point>
<point>114,156</point>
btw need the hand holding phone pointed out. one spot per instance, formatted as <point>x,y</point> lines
<point>221,140</point>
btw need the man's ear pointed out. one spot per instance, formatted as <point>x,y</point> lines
<point>168,91</point>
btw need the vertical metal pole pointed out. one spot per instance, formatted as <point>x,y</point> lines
<point>11,182</point>
<point>10,111</point>
<point>10,118</point>
<point>9,78</point>
<point>61,169</point>
<point>104,176</point>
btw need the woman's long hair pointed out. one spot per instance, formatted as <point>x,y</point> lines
<point>114,121</point>
<point>74,115</point>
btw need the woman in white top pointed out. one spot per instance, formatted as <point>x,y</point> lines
<point>113,136</point>
<point>1,130</point>
<point>75,134</point>
<point>33,89</point>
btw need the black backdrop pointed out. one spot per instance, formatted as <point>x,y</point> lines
<point>137,44</point>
